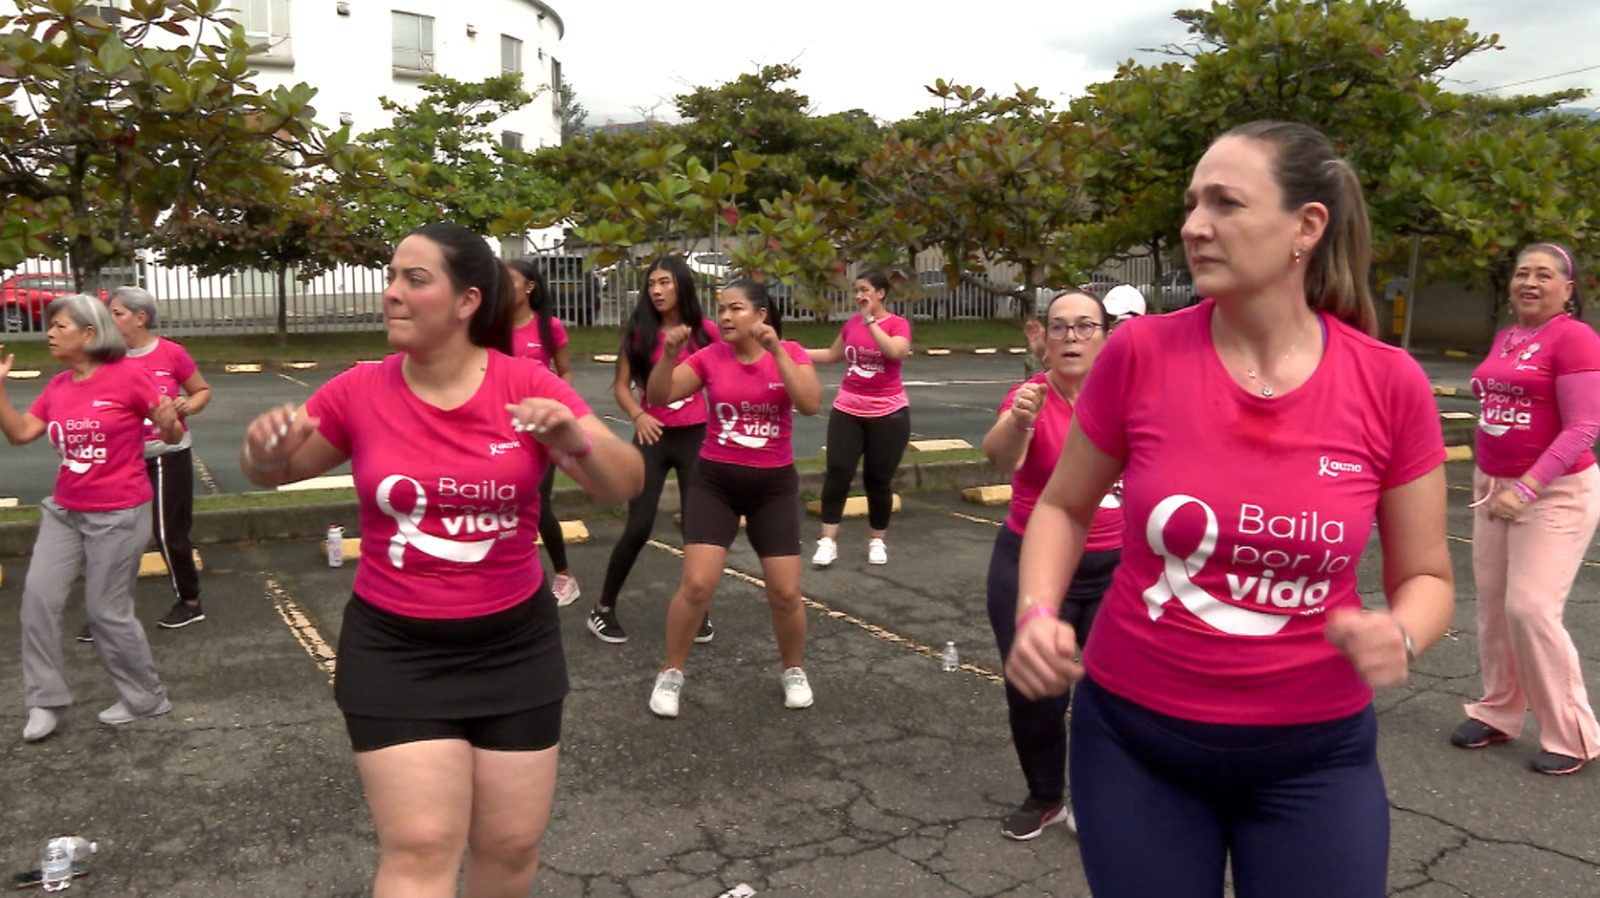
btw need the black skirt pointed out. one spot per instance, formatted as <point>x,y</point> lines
<point>391,665</point>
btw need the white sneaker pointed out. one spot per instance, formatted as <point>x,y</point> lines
<point>1072,823</point>
<point>664,698</point>
<point>796,689</point>
<point>41,723</point>
<point>877,552</point>
<point>565,587</point>
<point>827,553</point>
<point>119,713</point>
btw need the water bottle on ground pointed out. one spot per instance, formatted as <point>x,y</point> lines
<point>55,866</point>
<point>335,546</point>
<point>80,850</point>
<point>952,658</point>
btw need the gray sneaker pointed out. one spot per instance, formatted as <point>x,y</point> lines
<point>118,714</point>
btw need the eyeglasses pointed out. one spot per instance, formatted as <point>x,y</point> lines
<point>1083,329</point>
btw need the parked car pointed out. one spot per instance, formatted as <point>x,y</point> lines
<point>575,289</point>
<point>1175,291</point>
<point>24,297</point>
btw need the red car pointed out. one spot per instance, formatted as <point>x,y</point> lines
<point>25,296</point>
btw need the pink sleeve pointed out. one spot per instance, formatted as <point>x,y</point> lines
<point>183,366</point>
<point>1102,403</point>
<point>329,404</point>
<point>41,406</point>
<point>1416,439</point>
<point>700,362</point>
<point>142,388</point>
<point>897,326</point>
<point>797,352</point>
<point>1578,398</point>
<point>558,333</point>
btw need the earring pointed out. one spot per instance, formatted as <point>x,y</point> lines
<point>1297,252</point>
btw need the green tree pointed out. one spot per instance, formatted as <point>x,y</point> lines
<point>573,115</point>
<point>446,162</point>
<point>115,139</point>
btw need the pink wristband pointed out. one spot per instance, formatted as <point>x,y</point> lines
<point>564,458</point>
<point>1035,612</point>
<point>1525,491</point>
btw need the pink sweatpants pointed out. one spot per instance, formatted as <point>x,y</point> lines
<point>1524,571</point>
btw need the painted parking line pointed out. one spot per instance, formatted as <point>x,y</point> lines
<point>301,627</point>
<point>294,380</point>
<point>873,630</point>
<point>977,520</point>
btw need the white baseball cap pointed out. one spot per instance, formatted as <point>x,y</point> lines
<point>1124,301</point>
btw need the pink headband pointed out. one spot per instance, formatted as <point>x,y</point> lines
<point>1571,272</point>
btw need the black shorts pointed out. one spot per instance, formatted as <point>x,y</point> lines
<point>535,729</point>
<point>767,498</point>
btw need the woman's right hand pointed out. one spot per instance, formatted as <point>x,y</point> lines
<point>646,428</point>
<point>1043,660</point>
<point>1026,405</point>
<point>6,363</point>
<point>673,339</point>
<point>274,436</point>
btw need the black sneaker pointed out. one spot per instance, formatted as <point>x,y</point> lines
<point>1556,764</point>
<point>84,635</point>
<point>604,625</point>
<point>706,633</point>
<point>181,614</point>
<point>1476,734</point>
<point>1029,820</point>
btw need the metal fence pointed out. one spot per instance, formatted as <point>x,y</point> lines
<point>350,298</point>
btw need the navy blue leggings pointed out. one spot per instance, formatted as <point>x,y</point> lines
<point>1163,803</point>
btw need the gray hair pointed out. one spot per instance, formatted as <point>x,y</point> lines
<point>86,311</point>
<point>138,301</point>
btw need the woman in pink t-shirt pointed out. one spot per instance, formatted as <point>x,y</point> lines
<point>1025,441</point>
<point>754,381</point>
<point>170,466</point>
<point>97,520</point>
<point>669,436</point>
<point>451,674</point>
<point>539,335</point>
<point>1223,710</point>
<point>871,417</point>
<point>1539,501</point>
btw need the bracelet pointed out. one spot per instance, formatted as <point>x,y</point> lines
<point>1525,491</point>
<point>565,459</point>
<point>637,414</point>
<point>1411,647</point>
<point>250,460</point>
<point>1021,428</point>
<point>1033,613</point>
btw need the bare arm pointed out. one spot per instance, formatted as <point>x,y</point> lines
<point>563,362</point>
<point>196,395</point>
<point>607,468</point>
<point>830,356</point>
<point>895,348</point>
<point>805,390</point>
<point>19,427</point>
<point>1006,444</point>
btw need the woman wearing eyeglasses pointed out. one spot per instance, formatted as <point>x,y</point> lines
<point>1025,440</point>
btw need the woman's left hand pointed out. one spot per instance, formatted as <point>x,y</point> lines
<point>767,337</point>
<point>1506,505</point>
<point>1373,643</point>
<point>550,422</point>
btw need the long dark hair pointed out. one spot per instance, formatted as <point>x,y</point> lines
<point>1569,265</point>
<point>756,292</point>
<point>468,262</point>
<point>538,299</point>
<point>642,330</point>
<point>1308,169</point>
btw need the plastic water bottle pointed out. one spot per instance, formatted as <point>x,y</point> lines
<point>952,658</point>
<point>55,866</point>
<point>335,546</point>
<point>80,850</point>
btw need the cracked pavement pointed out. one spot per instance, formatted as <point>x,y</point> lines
<point>893,784</point>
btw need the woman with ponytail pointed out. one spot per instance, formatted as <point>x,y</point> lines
<point>1538,502</point>
<point>1223,710</point>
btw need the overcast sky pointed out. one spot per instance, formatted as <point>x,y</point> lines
<point>627,57</point>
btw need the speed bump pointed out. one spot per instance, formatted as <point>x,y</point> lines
<point>854,507</point>
<point>607,357</point>
<point>1456,354</point>
<point>1018,350</point>
<point>1458,453</point>
<point>25,374</point>
<point>8,501</point>
<point>151,564</point>
<point>940,351</point>
<point>985,350</point>
<point>937,445</point>
<point>572,532</point>
<point>242,368</point>
<point>1444,391</point>
<point>299,366</point>
<point>993,494</point>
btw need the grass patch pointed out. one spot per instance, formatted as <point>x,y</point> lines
<point>345,348</point>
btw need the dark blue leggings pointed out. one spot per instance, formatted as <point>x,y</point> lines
<point>1163,803</point>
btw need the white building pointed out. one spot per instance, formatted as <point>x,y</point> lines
<point>356,51</point>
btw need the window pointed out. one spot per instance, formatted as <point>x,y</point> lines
<point>555,87</point>
<point>512,247</point>
<point>266,27</point>
<point>511,140</point>
<point>510,54</point>
<point>413,41</point>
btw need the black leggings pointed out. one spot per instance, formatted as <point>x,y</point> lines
<point>676,450</point>
<point>549,525</point>
<point>172,480</point>
<point>883,441</point>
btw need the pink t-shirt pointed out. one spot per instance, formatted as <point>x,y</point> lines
<point>526,341</point>
<point>690,410</point>
<point>169,365</point>
<point>1027,482</point>
<point>754,425</point>
<point>869,372</point>
<point>97,426</point>
<point>1517,390</point>
<point>1246,517</point>
<point>449,499</point>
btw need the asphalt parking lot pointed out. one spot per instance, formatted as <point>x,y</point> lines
<point>892,784</point>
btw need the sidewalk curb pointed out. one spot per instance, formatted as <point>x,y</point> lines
<point>311,521</point>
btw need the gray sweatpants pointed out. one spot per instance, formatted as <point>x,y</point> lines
<point>106,546</point>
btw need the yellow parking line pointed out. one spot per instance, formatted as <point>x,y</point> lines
<point>305,632</point>
<point>872,629</point>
